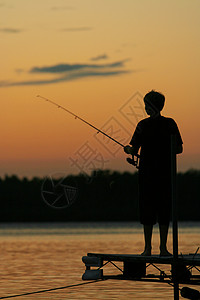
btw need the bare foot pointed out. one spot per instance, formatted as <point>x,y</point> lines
<point>147,252</point>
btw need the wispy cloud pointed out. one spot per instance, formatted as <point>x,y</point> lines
<point>57,8</point>
<point>61,79</point>
<point>62,68</point>
<point>69,72</point>
<point>10,30</point>
<point>99,57</point>
<point>75,29</point>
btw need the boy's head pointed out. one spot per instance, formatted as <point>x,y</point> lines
<point>154,102</point>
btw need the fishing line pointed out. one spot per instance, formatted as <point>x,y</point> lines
<point>52,289</point>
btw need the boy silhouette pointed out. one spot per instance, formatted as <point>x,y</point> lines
<point>153,137</point>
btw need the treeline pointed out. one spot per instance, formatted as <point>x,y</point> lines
<point>104,196</point>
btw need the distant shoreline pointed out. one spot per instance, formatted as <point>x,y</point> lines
<point>105,196</point>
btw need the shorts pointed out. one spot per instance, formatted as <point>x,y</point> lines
<point>154,200</point>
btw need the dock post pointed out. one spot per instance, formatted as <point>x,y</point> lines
<point>174,217</point>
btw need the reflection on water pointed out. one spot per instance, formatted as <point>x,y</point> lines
<point>39,256</point>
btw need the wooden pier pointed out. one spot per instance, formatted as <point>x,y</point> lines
<point>135,267</point>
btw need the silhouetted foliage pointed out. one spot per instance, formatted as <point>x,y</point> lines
<point>104,196</point>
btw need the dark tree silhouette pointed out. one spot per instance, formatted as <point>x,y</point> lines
<point>103,196</point>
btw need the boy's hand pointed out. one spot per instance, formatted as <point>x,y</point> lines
<point>128,149</point>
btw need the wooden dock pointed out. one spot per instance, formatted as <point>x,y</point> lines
<point>135,267</point>
<point>189,259</point>
<point>184,269</point>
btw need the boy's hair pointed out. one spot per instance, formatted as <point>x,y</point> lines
<point>155,100</point>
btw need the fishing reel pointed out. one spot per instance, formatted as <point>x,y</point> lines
<point>134,160</point>
<point>135,156</point>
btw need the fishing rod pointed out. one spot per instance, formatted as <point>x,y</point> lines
<point>77,117</point>
<point>131,161</point>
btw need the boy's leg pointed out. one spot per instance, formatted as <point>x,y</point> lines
<point>163,240</point>
<point>148,229</point>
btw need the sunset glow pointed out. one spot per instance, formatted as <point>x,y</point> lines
<point>92,57</point>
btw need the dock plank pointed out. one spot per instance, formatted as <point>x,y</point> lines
<point>182,259</point>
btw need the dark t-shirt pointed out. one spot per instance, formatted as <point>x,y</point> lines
<point>153,137</point>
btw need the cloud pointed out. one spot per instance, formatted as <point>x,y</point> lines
<point>69,72</point>
<point>10,30</point>
<point>61,79</point>
<point>99,57</point>
<point>62,68</point>
<point>75,29</point>
<point>56,8</point>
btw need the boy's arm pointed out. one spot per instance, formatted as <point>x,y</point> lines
<point>135,141</point>
<point>179,149</point>
<point>179,142</point>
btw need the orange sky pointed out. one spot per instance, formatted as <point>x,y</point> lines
<point>91,57</point>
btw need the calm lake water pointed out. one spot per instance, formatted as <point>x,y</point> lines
<point>44,256</point>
